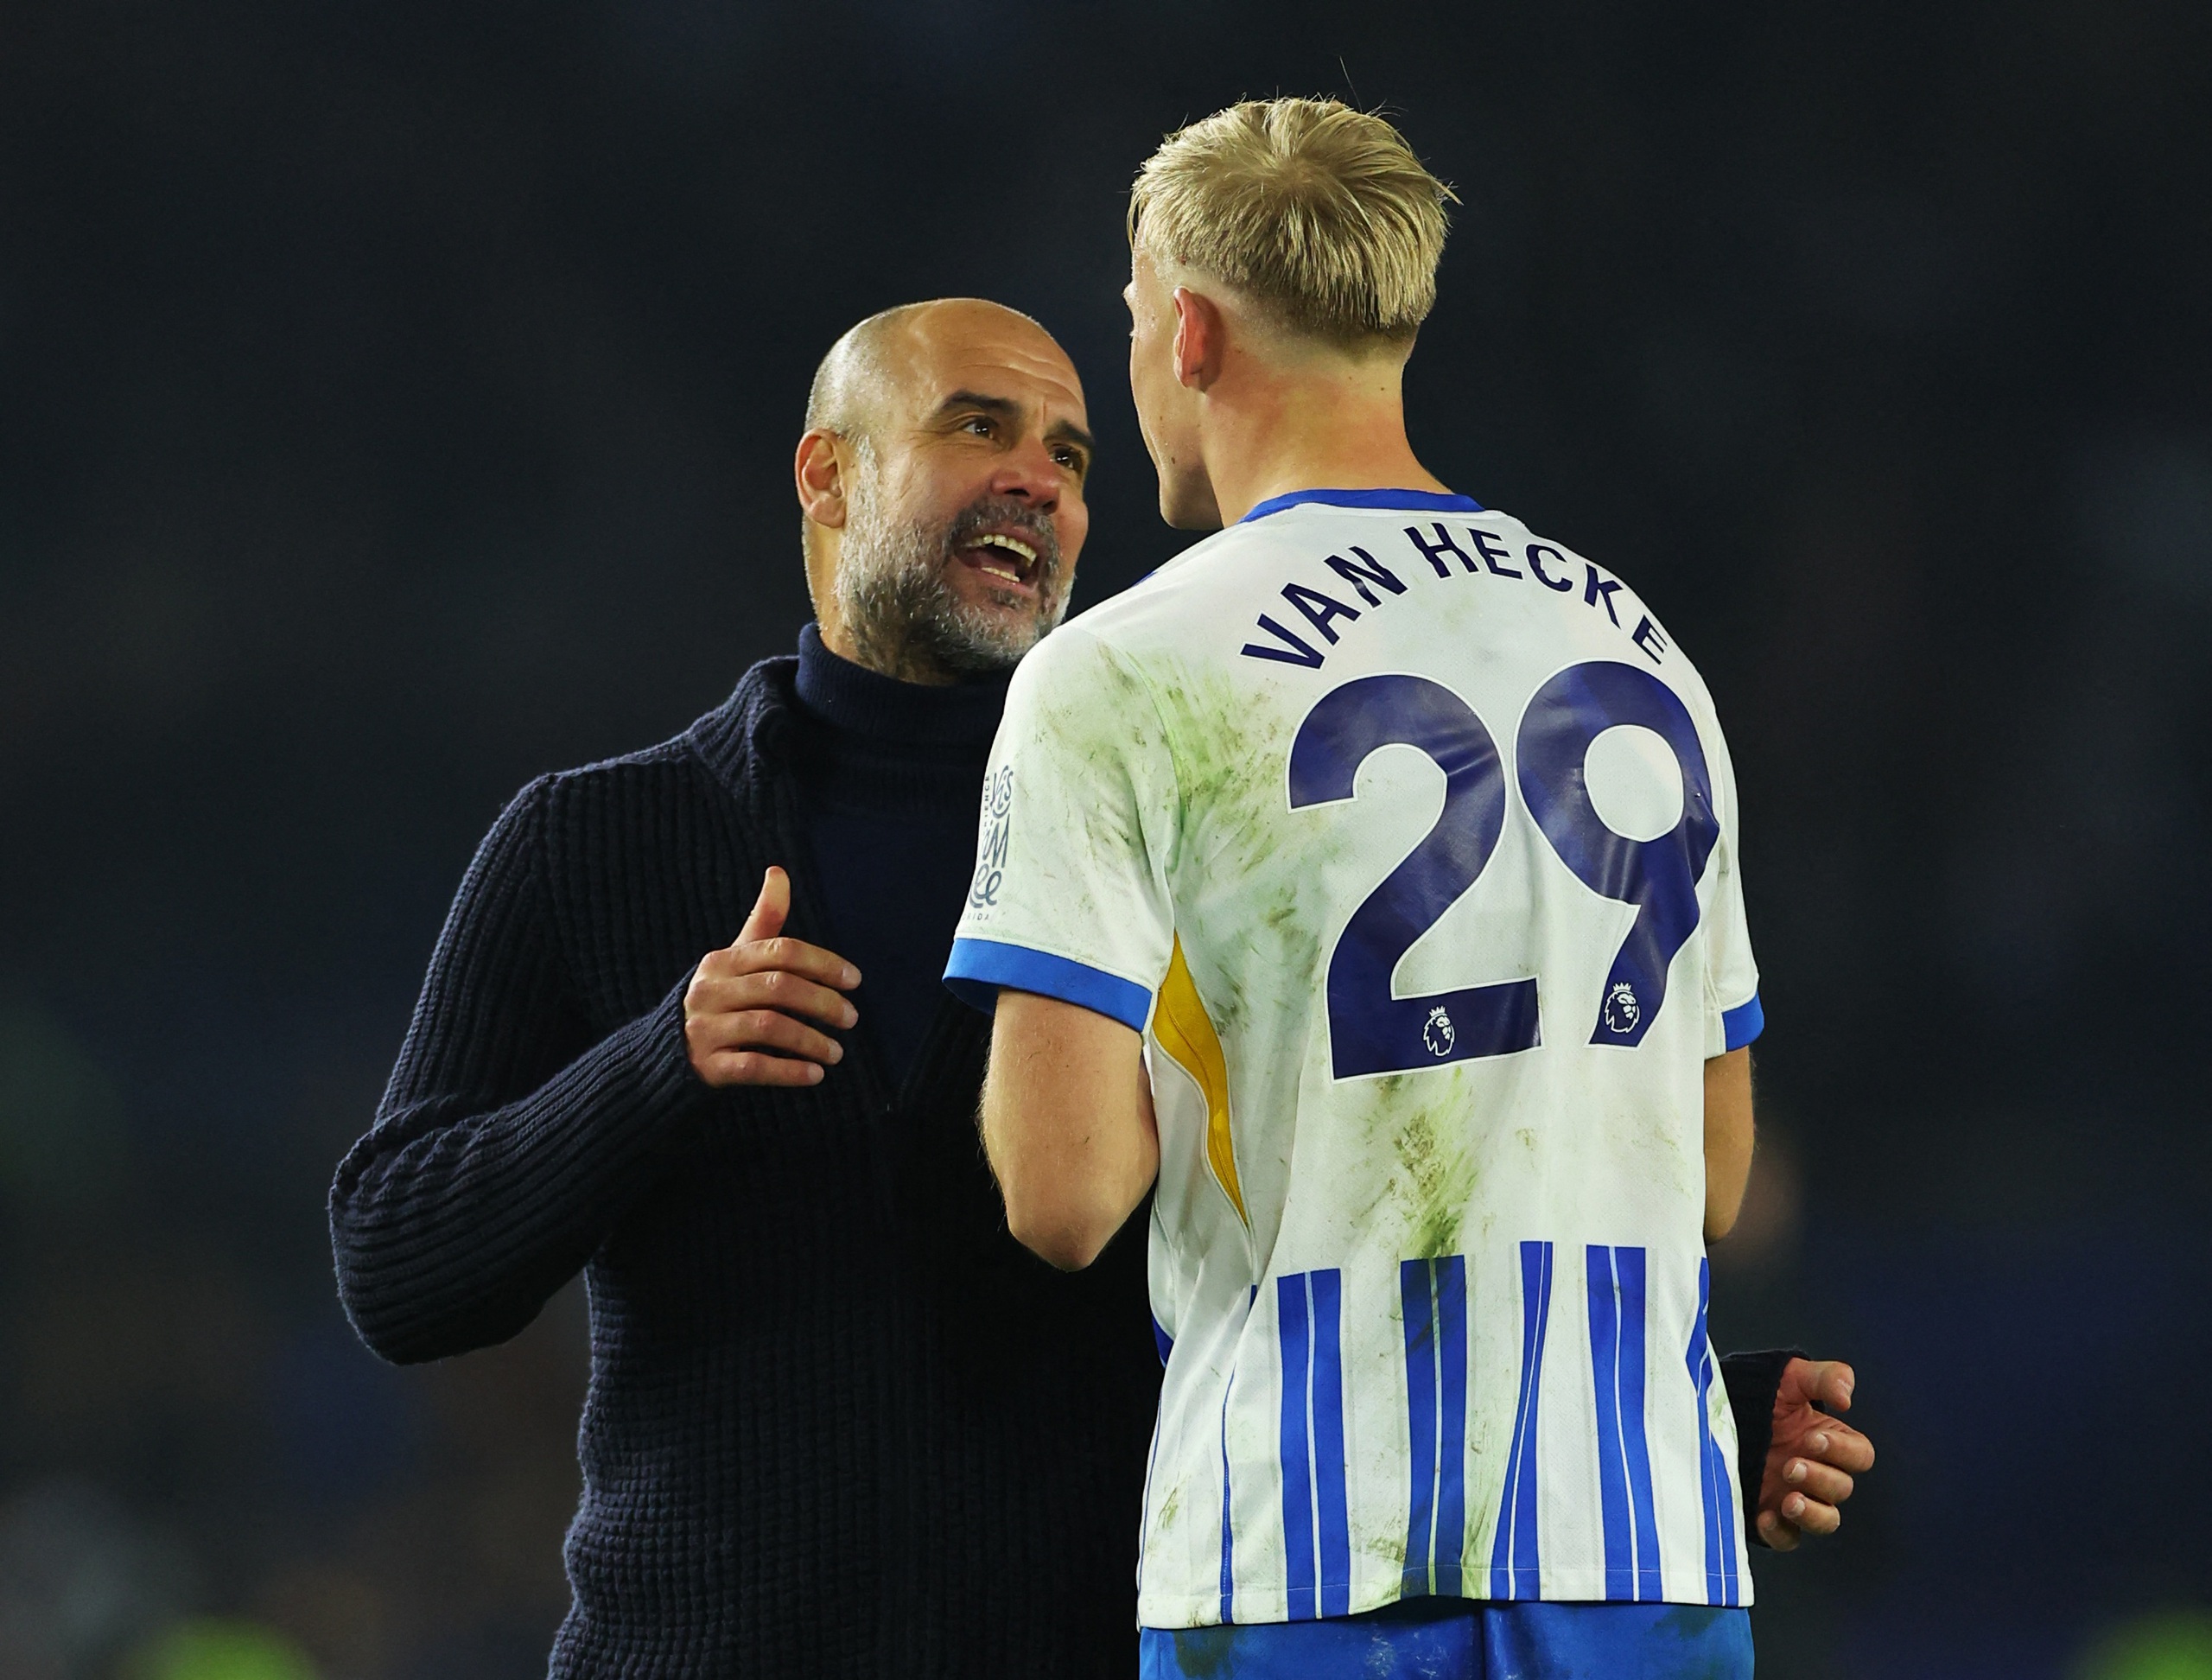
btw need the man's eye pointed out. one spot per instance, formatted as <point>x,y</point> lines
<point>1070,459</point>
<point>981,424</point>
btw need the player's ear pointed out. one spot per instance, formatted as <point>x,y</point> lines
<point>1199,338</point>
<point>819,472</point>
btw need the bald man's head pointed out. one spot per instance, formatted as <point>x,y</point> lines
<point>868,365</point>
<point>942,479</point>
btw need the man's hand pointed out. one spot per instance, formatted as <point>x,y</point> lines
<point>742,1009</point>
<point>1812,1454</point>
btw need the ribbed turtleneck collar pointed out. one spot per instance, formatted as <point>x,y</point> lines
<point>855,700</point>
<point>898,751</point>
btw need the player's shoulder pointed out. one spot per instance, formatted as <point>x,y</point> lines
<point>1156,599</point>
<point>1075,668</point>
<point>1168,609</point>
<point>1606,613</point>
<point>1108,664</point>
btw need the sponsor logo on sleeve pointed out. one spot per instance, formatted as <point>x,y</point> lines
<point>991,844</point>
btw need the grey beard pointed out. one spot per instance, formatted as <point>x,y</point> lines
<point>904,619</point>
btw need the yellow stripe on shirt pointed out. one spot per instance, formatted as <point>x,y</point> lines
<point>1186,1033</point>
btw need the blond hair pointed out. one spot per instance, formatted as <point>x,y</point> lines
<point>1319,213</point>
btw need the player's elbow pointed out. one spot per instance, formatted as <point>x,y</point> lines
<point>1053,1208</point>
<point>1066,1218</point>
<point>1727,1176</point>
<point>1069,1251</point>
<point>1725,1184</point>
<point>1059,1230</point>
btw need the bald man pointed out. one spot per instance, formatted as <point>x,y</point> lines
<point>684,1032</point>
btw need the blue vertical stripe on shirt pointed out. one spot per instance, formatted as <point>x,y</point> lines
<point>1317,1530</point>
<point>1328,1398</point>
<point>1516,1565</point>
<point>1616,1279</point>
<point>1294,1333</point>
<point>1451,1424</point>
<point>1714,1474</point>
<point>1417,1301</point>
<point>1432,1297</point>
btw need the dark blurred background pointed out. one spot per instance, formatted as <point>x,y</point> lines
<point>397,401</point>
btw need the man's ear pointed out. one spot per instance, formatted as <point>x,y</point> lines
<point>819,472</point>
<point>1199,338</point>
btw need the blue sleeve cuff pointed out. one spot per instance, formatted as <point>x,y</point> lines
<point>978,968</point>
<point>1743,1023</point>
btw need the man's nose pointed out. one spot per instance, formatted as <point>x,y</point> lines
<point>1029,475</point>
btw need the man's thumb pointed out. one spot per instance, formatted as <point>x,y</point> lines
<point>1837,1380</point>
<point>769,909</point>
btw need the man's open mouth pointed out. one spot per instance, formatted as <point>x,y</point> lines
<point>1004,558</point>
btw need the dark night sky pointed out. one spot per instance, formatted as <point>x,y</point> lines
<point>397,403</point>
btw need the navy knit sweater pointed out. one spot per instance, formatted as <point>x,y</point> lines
<point>839,1423</point>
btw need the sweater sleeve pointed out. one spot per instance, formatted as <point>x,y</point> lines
<point>1752,1381</point>
<point>508,1141</point>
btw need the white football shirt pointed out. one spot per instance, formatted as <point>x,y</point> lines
<point>1407,839</point>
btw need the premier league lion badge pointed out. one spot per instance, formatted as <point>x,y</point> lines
<point>1438,1033</point>
<point>1622,1010</point>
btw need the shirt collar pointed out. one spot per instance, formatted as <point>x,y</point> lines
<point>1413,501</point>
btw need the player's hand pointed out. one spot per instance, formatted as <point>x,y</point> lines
<point>1813,1455</point>
<point>747,1009</point>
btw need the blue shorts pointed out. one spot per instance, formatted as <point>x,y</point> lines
<point>1429,1638</point>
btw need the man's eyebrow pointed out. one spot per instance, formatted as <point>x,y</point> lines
<point>1003,406</point>
<point>1068,431</point>
<point>1006,408</point>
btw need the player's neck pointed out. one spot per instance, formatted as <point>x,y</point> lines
<point>1339,431</point>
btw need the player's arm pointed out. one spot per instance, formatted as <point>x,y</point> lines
<point>1728,1133</point>
<point>1798,1457</point>
<point>1068,929</point>
<point>1068,1125</point>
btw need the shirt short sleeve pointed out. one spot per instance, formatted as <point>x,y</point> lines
<point>1069,894</point>
<point>1733,1017</point>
